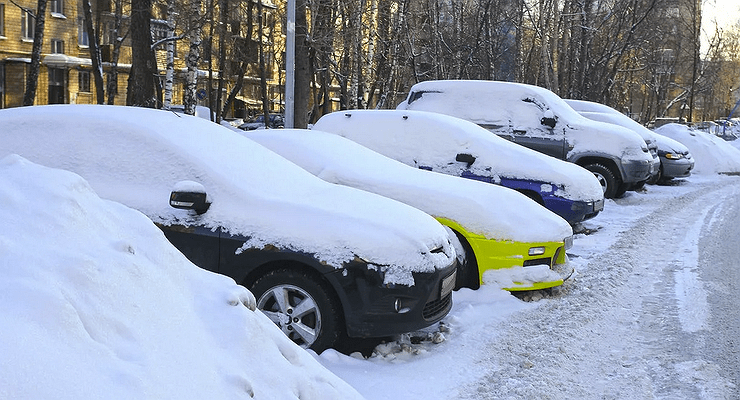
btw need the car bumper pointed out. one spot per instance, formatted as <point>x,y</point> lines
<point>374,309</point>
<point>635,171</point>
<point>677,168</point>
<point>510,265</point>
<point>573,211</point>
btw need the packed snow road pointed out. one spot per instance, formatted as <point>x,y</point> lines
<point>653,315</point>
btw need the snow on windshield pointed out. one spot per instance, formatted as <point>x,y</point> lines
<point>136,156</point>
<point>98,304</point>
<point>489,210</point>
<point>711,154</point>
<point>425,139</point>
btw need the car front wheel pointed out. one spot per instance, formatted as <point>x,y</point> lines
<point>301,306</point>
<point>608,181</point>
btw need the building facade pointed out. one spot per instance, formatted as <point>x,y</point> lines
<point>65,73</point>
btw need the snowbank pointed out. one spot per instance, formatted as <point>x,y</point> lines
<point>96,304</point>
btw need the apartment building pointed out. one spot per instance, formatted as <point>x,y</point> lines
<point>65,69</point>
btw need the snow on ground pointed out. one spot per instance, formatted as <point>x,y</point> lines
<point>581,341</point>
<point>96,304</point>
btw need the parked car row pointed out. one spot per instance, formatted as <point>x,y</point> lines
<point>673,158</point>
<point>537,118</point>
<point>364,225</point>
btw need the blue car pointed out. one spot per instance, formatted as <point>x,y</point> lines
<point>457,147</point>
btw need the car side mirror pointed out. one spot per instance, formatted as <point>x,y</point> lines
<point>549,122</point>
<point>549,119</point>
<point>190,195</point>
<point>466,158</point>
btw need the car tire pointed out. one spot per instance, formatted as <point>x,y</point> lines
<point>609,183</point>
<point>624,187</point>
<point>283,292</point>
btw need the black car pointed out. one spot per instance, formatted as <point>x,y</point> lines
<point>323,261</point>
<point>273,121</point>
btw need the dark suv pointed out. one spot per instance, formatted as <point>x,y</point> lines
<point>323,261</point>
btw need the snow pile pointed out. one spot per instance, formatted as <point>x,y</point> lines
<point>136,156</point>
<point>425,139</point>
<point>711,154</point>
<point>97,304</point>
<point>481,208</point>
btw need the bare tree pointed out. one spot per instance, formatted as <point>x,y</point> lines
<point>94,51</point>
<point>29,96</point>
<point>302,71</point>
<point>143,82</point>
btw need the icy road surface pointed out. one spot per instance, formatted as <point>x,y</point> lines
<point>653,316</point>
<point>651,313</point>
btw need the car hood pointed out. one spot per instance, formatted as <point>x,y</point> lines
<point>426,139</point>
<point>136,156</point>
<point>670,145</point>
<point>481,208</point>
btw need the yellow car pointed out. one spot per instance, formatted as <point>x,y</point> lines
<point>517,265</point>
<point>505,238</point>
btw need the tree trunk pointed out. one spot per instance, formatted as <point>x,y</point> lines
<point>302,78</point>
<point>170,72</point>
<point>142,88</point>
<point>193,57</point>
<point>118,40</point>
<point>94,50</point>
<point>29,97</point>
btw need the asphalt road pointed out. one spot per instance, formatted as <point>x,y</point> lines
<point>655,316</point>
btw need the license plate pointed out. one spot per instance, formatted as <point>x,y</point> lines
<point>448,284</point>
<point>599,205</point>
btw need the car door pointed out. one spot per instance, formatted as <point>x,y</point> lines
<point>535,126</point>
<point>199,244</point>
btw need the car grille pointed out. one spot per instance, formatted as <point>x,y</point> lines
<point>435,308</point>
<point>538,261</point>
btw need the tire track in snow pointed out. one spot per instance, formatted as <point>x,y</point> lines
<point>616,331</point>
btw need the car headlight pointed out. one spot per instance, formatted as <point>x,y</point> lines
<point>537,251</point>
<point>568,242</point>
<point>673,156</point>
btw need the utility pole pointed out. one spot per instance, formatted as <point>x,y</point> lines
<point>290,66</point>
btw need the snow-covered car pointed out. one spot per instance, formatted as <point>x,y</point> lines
<point>603,113</point>
<point>674,159</point>
<point>322,260</point>
<point>712,154</point>
<point>457,147</point>
<point>508,239</point>
<point>537,118</point>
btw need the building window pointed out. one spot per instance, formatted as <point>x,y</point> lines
<point>82,39</point>
<point>2,20</point>
<point>84,78</point>
<point>160,31</point>
<point>57,46</point>
<point>57,7</point>
<point>56,85</point>
<point>27,25</point>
